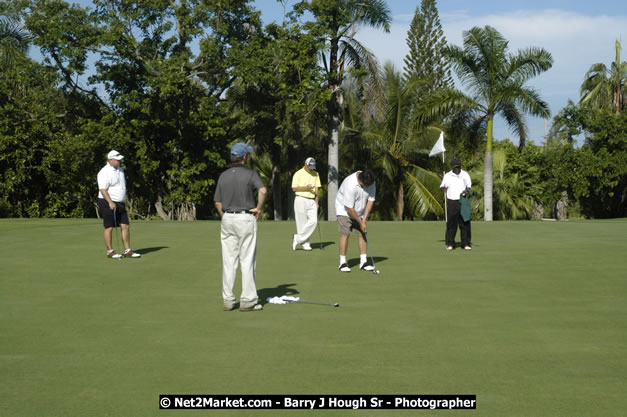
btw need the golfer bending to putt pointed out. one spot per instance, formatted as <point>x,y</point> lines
<point>235,201</point>
<point>353,204</point>
<point>111,198</point>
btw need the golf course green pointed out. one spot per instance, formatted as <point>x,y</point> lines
<point>533,320</point>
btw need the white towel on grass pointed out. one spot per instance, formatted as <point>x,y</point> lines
<point>284,299</point>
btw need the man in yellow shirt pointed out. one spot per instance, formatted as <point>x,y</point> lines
<point>305,183</point>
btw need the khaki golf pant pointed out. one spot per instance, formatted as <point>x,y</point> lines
<point>306,214</point>
<point>238,233</point>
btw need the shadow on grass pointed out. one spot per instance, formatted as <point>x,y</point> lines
<point>355,261</point>
<point>458,245</point>
<point>322,245</point>
<point>283,289</point>
<point>148,250</point>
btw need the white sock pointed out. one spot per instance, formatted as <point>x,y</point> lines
<point>342,260</point>
<point>363,258</point>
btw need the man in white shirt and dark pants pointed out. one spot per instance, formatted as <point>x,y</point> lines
<point>456,184</point>
<point>111,198</point>
<point>353,203</point>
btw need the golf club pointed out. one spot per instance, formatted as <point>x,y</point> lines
<point>316,302</point>
<point>289,301</point>
<point>375,270</point>
<point>319,231</point>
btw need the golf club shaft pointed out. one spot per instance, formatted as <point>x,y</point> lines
<point>314,302</point>
<point>370,251</point>
<point>320,231</point>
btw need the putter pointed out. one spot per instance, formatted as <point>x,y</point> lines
<point>375,270</point>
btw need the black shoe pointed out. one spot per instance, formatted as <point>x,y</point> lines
<point>344,268</point>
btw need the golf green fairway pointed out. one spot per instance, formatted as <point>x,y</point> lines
<point>533,320</point>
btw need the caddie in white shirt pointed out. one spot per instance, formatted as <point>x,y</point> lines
<point>111,201</point>
<point>353,204</point>
<point>456,183</point>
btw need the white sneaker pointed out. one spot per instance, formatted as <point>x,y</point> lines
<point>467,247</point>
<point>449,248</point>
<point>366,267</point>
<point>306,246</point>
<point>130,254</point>
<point>344,268</point>
<point>294,243</point>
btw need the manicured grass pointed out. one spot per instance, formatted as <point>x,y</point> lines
<point>533,320</point>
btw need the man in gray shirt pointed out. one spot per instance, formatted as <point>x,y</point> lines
<point>235,201</point>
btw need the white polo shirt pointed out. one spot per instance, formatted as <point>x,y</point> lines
<point>352,195</point>
<point>455,184</point>
<point>112,180</point>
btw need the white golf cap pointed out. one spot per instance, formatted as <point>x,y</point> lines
<point>115,155</point>
<point>311,163</point>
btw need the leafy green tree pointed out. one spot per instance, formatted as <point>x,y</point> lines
<point>426,41</point>
<point>164,100</point>
<point>278,94</point>
<point>496,82</point>
<point>14,40</point>
<point>337,23</point>
<point>605,86</point>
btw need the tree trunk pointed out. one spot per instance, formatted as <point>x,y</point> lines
<point>160,211</point>
<point>400,203</point>
<point>334,112</point>
<point>561,207</point>
<point>487,176</point>
<point>276,193</point>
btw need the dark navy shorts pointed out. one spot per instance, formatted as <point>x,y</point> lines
<point>107,214</point>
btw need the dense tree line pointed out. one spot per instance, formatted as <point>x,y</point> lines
<point>172,84</point>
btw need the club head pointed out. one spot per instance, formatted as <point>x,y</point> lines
<point>336,305</point>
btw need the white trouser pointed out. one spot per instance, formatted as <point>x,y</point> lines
<point>306,214</point>
<point>239,246</point>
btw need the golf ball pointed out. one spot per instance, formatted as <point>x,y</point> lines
<point>376,271</point>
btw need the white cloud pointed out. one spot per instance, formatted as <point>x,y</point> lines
<point>576,41</point>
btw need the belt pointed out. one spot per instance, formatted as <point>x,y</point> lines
<point>238,212</point>
<point>308,198</point>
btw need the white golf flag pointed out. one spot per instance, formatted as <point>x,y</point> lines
<point>438,147</point>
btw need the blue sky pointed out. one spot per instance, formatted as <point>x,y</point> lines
<point>577,33</point>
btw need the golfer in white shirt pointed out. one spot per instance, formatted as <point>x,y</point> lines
<point>111,201</point>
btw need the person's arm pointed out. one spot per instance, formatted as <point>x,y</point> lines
<point>219,207</point>
<point>369,206</point>
<point>261,198</point>
<point>107,197</point>
<point>307,187</point>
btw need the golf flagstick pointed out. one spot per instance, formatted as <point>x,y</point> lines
<point>443,174</point>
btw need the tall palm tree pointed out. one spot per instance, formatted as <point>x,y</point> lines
<point>14,40</point>
<point>398,147</point>
<point>495,80</point>
<point>337,22</point>
<point>605,86</point>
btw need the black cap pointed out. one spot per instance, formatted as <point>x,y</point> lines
<point>456,163</point>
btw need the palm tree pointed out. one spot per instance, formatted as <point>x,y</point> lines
<point>337,23</point>
<point>603,86</point>
<point>398,147</point>
<point>14,40</point>
<point>496,81</point>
